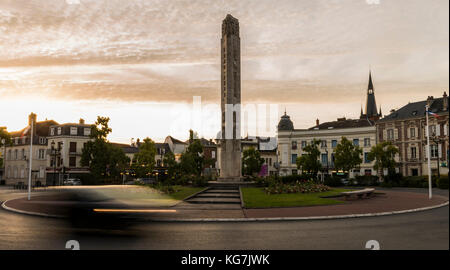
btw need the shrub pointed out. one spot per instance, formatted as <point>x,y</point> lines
<point>366,180</point>
<point>333,181</point>
<point>298,187</point>
<point>183,180</point>
<point>200,181</point>
<point>442,182</point>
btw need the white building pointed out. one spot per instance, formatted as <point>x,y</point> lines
<point>292,141</point>
<point>64,149</point>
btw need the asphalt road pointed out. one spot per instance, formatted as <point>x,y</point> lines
<point>422,230</point>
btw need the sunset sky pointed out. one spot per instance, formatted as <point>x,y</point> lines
<point>142,62</point>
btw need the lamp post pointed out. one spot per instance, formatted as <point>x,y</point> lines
<point>55,152</point>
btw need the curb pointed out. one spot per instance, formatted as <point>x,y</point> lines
<point>304,218</point>
<point>4,206</point>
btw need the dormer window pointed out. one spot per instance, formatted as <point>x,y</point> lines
<point>59,130</point>
<point>73,131</point>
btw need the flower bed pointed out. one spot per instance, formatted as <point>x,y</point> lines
<point>297,187</point>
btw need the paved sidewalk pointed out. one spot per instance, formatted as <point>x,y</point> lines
<point>388,201</point>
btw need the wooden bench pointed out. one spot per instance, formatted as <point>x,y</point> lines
<point>360,193</point>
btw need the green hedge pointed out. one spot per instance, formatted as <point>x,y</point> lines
<point>442,182</point>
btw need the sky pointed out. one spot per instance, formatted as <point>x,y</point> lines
<point>144,63</point>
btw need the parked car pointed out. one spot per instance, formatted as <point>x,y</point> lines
<point>72,182</point>
<point>146,181</point>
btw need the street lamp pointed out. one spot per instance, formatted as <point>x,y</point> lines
<point>55,152</point>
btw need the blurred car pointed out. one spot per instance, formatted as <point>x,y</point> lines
<point>72,182</point>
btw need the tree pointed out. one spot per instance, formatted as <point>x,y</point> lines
<point>347,155</point>
<point>251,161</point>
<point>309,162</point>
<point>5,140</point>
<point>103,159</point>
<point>171,164</point>
<point>144,160</point>
<point>384,156</point>
<point>193,160</point>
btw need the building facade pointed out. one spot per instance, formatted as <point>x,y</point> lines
<point>18,154</point>
<point>406,129</point>
<point>292,141</point>
<point>64,149</point>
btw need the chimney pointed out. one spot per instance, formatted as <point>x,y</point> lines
<point>317,121</point>
<point>429,100</point>
<point>82,121</point>
<point>31,118</point>
<point>445,102</point>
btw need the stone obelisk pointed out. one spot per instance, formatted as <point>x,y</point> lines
<point>230,141</point>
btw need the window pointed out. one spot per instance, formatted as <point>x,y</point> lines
<point>41,154</point>
<point>432,130</point>
<point>22,154</point>
<point>73,147</point>
<point>356,142</point>
<point>87,132</point>
<point>59,130</point>
<point>414,172</point>
<point>413,152</point>
<point>324,159</point>
<point>323,143</point>
<point>72,161</point>
<point>390,134</point>
<point>368,172</point>
<point>270,161</point>
<point>366,158</point>
<point>52,131</point>
<point>16,154</point>
<point>213,154</point>
<point>294,159</point>
<point>73,131</point>
<point>434,151</point>
<point>294,145</point>
<point>366,141</point>
<point>334,143</point>
<point>158,163</point>
<point>42,140</point>
<point>412,132</point>
<point>303,144</point>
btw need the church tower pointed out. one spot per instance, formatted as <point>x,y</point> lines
<point>371,105</point>
<point>230,143</point>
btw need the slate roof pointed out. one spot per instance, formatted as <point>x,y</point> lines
<point>42,129</point>
<point>415,109</point>
<point>344,123</point>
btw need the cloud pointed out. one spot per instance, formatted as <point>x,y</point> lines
<point>292,51</point>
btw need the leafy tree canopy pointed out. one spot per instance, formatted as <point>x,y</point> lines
<point>347,155</point>
<point>251,161</point>
<point>309,162</point>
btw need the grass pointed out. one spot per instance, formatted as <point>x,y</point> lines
<point>257,198</point>
<point>182,192</point>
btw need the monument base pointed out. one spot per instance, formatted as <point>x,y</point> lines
<point>230,179</point>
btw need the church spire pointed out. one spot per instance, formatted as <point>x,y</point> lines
<point>370,87</point>
<point>371,105</point>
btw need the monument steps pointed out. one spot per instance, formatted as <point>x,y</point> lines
<point>218,194</point>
